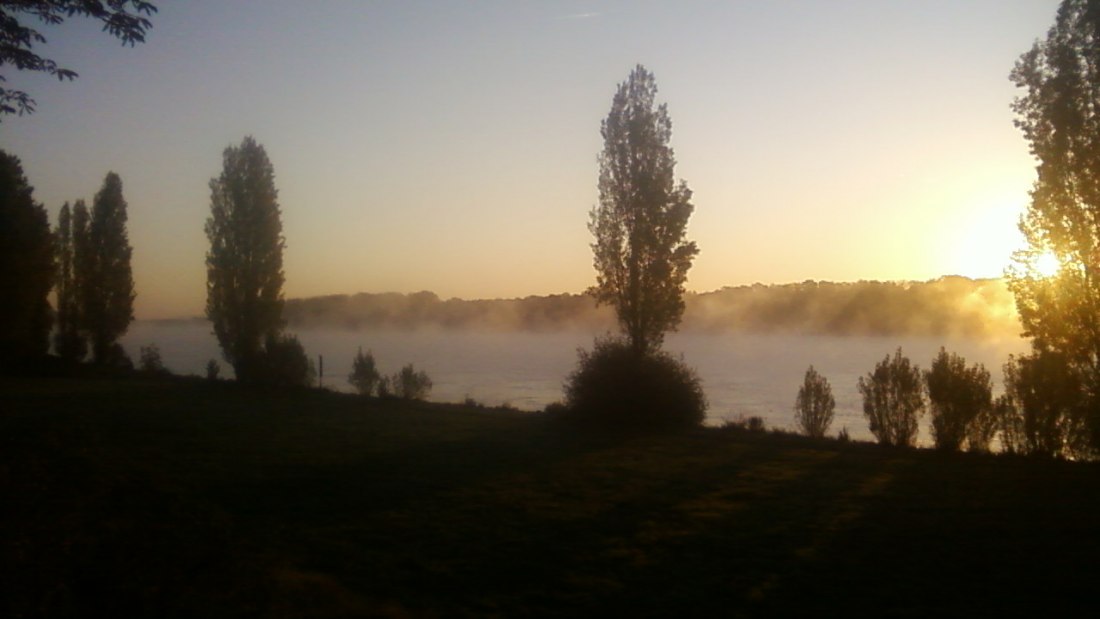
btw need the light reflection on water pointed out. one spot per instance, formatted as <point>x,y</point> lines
<point>743,374</point>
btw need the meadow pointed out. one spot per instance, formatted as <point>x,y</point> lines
<point>182,497</point>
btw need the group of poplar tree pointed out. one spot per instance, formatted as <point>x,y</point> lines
<point>87,261</point>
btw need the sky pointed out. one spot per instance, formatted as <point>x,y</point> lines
<point>451,146</point>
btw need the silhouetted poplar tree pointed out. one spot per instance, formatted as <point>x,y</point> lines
<point>83,266</point>
<point>26,267</point>
<point>893,400</point>
<point>244,266</point>
<point>108,292</point>
<point>1060,118</point>
<point>68,342</point>
<point>640,252</point>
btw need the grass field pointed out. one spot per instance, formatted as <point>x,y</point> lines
<point>182,498</point>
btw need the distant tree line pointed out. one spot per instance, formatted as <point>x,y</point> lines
<point>944,306</point>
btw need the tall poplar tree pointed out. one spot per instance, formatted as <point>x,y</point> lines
<point>68,342</point>
<point>244,266</point>
<point>109,298</point>
<point>640,251</point>
<point>1059,116</point>
<point>83,267</point>
<point>26,267</point>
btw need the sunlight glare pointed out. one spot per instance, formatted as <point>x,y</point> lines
<point>1047,264</point>
<point>985,236</point>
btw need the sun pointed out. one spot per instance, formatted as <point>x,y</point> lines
<point>1047,264</point>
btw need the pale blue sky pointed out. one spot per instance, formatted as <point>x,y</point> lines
<point>451,146</point>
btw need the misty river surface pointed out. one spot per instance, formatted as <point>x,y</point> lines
<point>742,374</point>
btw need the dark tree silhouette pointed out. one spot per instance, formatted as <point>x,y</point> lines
<point>616,389</point>
<point>1041,411</point>
<point>284,363</point>
<point>108,290</point>
<point>959,399</point>
<point>1060,119</point>
<point>364,373</point>
<point>68,342</point>
<point>640,253</point>
<point>814,405</point>
<point>244,267</point>
<point>893,400</point>
<point>410,383</point>
<point>122,19</point>
<point>83,267</point>
<point>26,267</point>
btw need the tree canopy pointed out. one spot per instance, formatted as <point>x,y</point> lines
<point>26,267</point>
<point>1060,119</point>
<point>641,255</point>
<point>108,287</point>
<point>244,266</point>
<point>125,20</point>
<point>893,400</point>
<point>68,342</point>
<point>815,405</point>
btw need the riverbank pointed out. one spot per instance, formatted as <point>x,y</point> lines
<point>180,497</point>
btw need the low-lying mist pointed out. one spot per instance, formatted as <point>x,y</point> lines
<point>956,306</point>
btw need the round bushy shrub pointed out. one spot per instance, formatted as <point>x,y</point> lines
<point>616,388</point>
<point>285,363</point>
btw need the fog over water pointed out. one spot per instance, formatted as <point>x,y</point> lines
<point>742,374</point>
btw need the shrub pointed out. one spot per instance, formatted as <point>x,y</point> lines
<point>212,370</point>
<point>284,363</point>
<point>115,357</point>
<point>1041,413</point>
<point>741,423</point>
<point>893,400</point>
<point>959,398</point>
<point>843,436</point>
<point>556,410</point>
<point>814,405</point>
<point>410,384</point>
<point>617,388</point>
<point>364,374</point>
<point>151,362</point>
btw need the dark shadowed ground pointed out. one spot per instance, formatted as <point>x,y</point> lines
<point>180,498</point>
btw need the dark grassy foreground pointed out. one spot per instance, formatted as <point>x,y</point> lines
<point>183,498</point>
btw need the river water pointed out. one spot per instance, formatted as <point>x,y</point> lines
<point>742,374</point>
